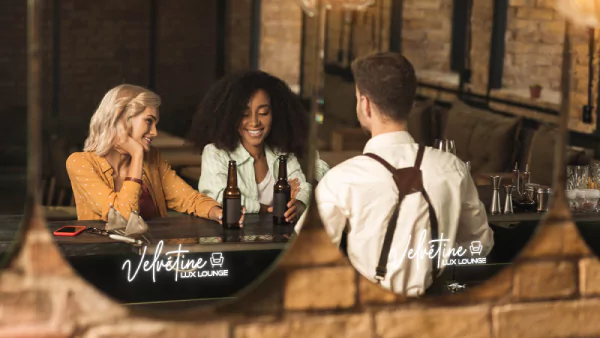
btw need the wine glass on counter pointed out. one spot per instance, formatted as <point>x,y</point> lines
<point>445,145</point>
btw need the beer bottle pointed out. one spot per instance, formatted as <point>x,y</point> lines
<point>232,199</point>
<point>281,193</point>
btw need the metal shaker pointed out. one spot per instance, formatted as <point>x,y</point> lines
<point>495,208</point>
<point>516,180</point>
<point>508,204</point>
<point>531,189</point>
<point>543,198</point>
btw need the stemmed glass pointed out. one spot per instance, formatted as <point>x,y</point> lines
<point>445,145</point>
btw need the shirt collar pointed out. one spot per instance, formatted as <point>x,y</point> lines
<point>387,139</point>
<point>103,162</point>
<point>241,155</point>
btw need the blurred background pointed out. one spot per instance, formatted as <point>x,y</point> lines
<point>488,75</point>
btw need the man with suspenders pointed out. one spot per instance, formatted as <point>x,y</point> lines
<point>399,203</point>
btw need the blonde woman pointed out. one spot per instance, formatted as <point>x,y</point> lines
<point>120,168</point>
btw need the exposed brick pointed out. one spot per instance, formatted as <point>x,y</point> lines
<point>151,329</point>
<point>547,319</point>
<point>31,331</point>
<point>313,326</point>
<point>589,275</point>
<point>522,3</point>
<point>373,293</point>
<point>542,280</point>
<point>26,307</point>
<point>436,322</point>
<point>546,3</point>
<point>535,13</point>
<point>320,288</point>
<point>265,298</point>
<point>312,247</point>
<point>555,240</point>
<point>280,46</point>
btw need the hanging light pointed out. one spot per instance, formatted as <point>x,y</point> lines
<point>580,12</point>
<point>310,6</point>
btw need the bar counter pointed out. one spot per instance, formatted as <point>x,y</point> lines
<point>225,260</point>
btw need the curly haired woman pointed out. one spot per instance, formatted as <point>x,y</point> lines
<point>120,168</point>
<point>252,118</point>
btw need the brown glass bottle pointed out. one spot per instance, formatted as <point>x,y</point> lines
<point>232,199</point>
<point>281,193</point>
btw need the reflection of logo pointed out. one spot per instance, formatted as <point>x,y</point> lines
<point>476,248</point>
<point>216,259</point>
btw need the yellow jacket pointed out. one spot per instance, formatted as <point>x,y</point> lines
<point>93,188</point>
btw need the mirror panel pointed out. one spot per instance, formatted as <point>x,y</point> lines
<point>140,151</point>
<point>14,130</point>
<point>503,138</point>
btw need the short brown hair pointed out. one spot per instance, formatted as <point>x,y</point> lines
<point>388,80</point>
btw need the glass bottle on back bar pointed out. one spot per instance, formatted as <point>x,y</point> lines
<point>232,199</point>
<point>281,193</point>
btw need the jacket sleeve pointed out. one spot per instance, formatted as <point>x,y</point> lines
<point>213,178</point>
<point>94,194</point>
<point>295,171</point>
<point>179,196</point>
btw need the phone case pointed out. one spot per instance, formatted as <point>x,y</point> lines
<point>79,230</point>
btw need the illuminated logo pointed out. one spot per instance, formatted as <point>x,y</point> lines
<point>177,264</point>
<point>476,248</point>
<point>444,255</point>
<point>216,259</point>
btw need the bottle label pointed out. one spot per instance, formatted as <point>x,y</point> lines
<point>232,210</point>
<point>280,201</point>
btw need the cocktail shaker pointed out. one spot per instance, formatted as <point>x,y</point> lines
<point>516,179</point>
<point>495,208</point>
<point>508,204</point>
<point>543,198</point>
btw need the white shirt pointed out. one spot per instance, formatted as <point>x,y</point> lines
<point>215,166</point>
<point>361,190</point>
<point>265,189</point>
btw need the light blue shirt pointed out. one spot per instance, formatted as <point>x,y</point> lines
<point>215,165</point>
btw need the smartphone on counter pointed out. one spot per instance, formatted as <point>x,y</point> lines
<point>70,230</point>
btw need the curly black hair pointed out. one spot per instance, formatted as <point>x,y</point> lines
<point>221,111</point>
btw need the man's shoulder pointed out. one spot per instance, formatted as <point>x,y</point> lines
<point>346,170</point>
<point>442,162</point>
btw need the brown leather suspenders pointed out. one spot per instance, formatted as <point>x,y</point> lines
<point>408,180</point>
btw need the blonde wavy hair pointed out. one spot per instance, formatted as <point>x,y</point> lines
<point>112,119</point>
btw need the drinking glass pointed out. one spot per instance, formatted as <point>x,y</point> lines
<point>439,144</point>
<point>578,177</point>
<point>450,147</point>
<point>445,145</point>
<point>595,174</point>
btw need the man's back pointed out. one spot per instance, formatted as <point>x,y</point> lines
<point>362,191</point>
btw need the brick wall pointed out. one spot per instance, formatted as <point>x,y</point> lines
<point>101,45</point>
<point>105,43</point>
<point>280,36</point>
<point>186,59</point>
<point>426,33</point>
<point>552,290</point>
<point>13,53</point>
<point>481,40</point>
<point>238,35</point>
<point>534,40</point>
<point>370,32</point>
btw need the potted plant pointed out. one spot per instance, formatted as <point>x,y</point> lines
<point>535,91</point>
